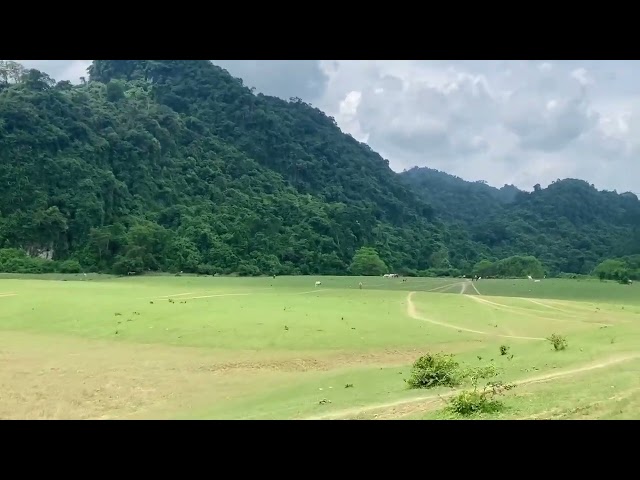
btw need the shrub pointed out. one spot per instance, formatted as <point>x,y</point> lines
<point>558,341</point>
<point>504,349</point>
<point>70,266</point>
<point>470,402</point>
<point>474,401</point>
<point>433,371</point>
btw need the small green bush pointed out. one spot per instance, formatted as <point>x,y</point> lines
<point>70,266</point>
<point>434,371</point>
<point>471,402</point>
<point>558,341</point>
<point>504,349</point>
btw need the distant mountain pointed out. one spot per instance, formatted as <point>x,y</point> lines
<point>445,192</point>
<point>175,165</point>
<point>570,225</point>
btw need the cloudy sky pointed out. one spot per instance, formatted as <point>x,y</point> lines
<point>520,122</point>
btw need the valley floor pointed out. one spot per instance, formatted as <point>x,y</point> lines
<point>204,347</point>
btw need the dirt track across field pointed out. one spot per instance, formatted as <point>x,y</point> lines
<point>425,403</point>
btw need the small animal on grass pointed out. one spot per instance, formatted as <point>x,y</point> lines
<point>318,284</point>
<point>360,285</point>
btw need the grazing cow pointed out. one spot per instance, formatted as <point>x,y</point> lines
<point>318,284</point>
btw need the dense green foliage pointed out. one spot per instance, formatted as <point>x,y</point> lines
<point>511,267</point>
<point>366,261</point>
<point>175,165</point>
<point>438,370</point>
<point>569,226</point>
<point>619,269</point>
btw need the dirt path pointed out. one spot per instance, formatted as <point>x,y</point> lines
<point>443,288</point>
<point>530,313</point>
<point>217,295</point>
<point>413,313</point>
<point>317,290</point>
<point>424,402</point>
<point>175,295</point>
<point>547,306</point>
<point>475,288</point>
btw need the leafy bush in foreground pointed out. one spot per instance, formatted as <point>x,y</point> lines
<point>475,401</point>
<point>470,402</point>
<point>434,371</point>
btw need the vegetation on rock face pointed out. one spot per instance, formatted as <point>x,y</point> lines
<point>174,165</point>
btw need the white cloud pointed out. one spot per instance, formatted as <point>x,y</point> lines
<point>70,70</point>
<point>582,76</point>
<point>524,122</point>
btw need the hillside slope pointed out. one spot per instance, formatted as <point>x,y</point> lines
<point>570,225</point>
<point>174,165</point>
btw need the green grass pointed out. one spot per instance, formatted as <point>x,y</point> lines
<point>589,290</point>
<point>278,348</point>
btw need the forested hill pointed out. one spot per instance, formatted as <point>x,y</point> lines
<point>176,166</point>
<point>458,200</point>
<point>570,226</point>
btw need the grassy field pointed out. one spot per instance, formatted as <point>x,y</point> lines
<point>203,347</point>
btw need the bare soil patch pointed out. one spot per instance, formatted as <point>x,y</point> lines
<point>58,377</point>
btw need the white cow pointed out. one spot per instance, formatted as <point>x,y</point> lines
<point>318,284</point>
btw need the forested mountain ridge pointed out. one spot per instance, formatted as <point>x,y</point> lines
<point>175,165</point>
<point>570,226</point>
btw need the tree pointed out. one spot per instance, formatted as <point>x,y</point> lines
<point>115,91</point>
<point>367,262</point>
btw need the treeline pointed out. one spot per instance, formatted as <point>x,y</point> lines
<point>619,269</point>
<point>176,166</point>
<point>13,260</point>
